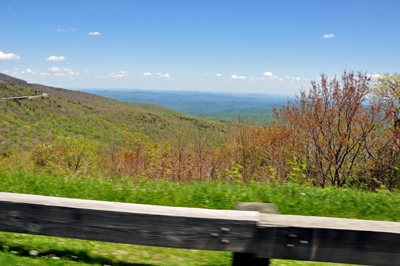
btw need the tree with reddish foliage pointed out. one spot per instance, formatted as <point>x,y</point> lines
<point>331,127</point>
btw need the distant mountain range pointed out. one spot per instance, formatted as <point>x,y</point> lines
<point>203,104</point>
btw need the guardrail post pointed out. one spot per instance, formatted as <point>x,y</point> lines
<point>250,259</point>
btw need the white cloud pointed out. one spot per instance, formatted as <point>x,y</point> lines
<point>327,36</point>
<point>59,74</point>
<point>9,56</point>
<point>146,74</point>
<point>374,76</point>
<point>55,58</point>
<point>293,78</point>
<point>218,75</point>
<point>71,72</point>
<point>166,75</point>
<point>207,75</point>
<point>9,8</point>
<point>43,74</point>
<point>86,71</point>
<point>66,29</point>
<point>5,71</point>
<point>121,74</point>
<point>15,69</point>
<point>14,73</point>
<point>237,77</point>
<point>28,71</point>
<point>54,69</point>
<point>94,33</point>
<point>269,75</point>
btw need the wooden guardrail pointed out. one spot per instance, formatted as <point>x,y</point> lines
<point>253,236</point>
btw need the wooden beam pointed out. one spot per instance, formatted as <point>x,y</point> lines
<point>254,237</point>
<point>329,240</point>
<point>189,228</point>
<point>269,208</point>
<point>251,259</point>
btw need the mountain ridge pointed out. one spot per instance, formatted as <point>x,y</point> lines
<point>86,98</point>
<point>28,122</point>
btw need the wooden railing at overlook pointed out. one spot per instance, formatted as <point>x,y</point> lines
<point>254,235</point>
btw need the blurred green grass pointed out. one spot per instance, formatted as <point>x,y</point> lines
<point>289,198</point>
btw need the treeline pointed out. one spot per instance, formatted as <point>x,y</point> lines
<point>260,115</point>
<point>341,132</point>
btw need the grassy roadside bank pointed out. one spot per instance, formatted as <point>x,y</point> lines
<point>290,199</point>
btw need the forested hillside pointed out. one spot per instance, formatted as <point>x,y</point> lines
<point>342,133</point>
<point>82,97</point>
<point>28,122</point>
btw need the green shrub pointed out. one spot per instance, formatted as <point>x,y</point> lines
<point>67,156</point>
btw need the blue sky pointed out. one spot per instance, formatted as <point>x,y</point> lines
<point>272,47</point>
